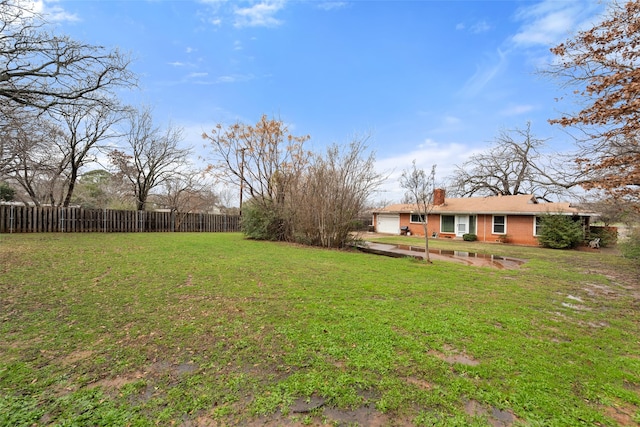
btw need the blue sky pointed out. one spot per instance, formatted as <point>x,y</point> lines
<point>433,81</point>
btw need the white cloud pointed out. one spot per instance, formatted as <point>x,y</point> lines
<point>516,110</point>
<point>234,78</point>
<point>49,10</point>
<point>259,15</point>
<point>215,7</point>
<point>332,5</point>
<point>452,120</point>
<point>237,45</point>
<point>480,27</point>
<point>476,28</point>
<point>485,74</point>
<point>444,155</point>
<point>197,75</point>
<point>549,22</point>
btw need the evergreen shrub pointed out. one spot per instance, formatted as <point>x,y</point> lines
<point>560,232</point>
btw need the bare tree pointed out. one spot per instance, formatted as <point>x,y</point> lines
<point>294,195</point>
<point>33,162</point>
<point>151,156</point>
<point>87,127</point>
<point>600,66</point>
<point>11,125</point>
<point>41,70</point>
<point>184,193</point>
<point>225,198</point>
<point>264,160</point>
<point>333,192</point>
<point>514,165</point>
<point>420,187</point>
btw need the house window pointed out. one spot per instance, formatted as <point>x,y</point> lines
<point>417,218</point>
<point>447,224</point>
<point>537,224</point>
<point>499,224</point>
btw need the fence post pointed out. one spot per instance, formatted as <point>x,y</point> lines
<point>11,218</point>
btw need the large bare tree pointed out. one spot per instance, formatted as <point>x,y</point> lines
<point>150,156</point>
<point>32,161</point>
<point>53,147</point>
<point>41,70</point>
<point>263,159</point>
<point>86,128</point>
<point>600,66</point>
<point>514,164</point>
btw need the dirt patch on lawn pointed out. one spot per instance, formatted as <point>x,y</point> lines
<point>420,383</point>
<point>623,415</point>
<point>76,357</point>
<point>362,416</point>
<point>496,417</point>
<point>454,356</point>
<point>155,370</point>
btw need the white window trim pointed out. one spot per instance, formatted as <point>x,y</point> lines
<point>535,227</point>
<point>441,222</point>
<point>493,224</point>
<point>411,221</point>
<point>475,224</point>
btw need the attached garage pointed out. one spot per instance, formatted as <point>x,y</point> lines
<point>388,223</point>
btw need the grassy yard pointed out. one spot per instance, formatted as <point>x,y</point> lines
<point>212,329</point>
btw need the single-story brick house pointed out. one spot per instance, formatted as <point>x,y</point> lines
<point>514,219</point>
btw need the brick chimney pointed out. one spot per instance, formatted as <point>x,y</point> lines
<point>438,197</point>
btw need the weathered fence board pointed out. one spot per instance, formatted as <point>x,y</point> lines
<point>31,219</point>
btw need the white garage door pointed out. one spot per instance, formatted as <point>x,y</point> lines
<point>388,224</point>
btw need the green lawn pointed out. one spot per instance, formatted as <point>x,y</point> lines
<point>212,329</point>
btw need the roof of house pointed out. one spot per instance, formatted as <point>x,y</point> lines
<point>525,204</point>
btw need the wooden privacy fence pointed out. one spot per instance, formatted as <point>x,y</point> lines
<point>31,219</point>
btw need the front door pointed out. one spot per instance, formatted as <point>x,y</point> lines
<point>462,225</point>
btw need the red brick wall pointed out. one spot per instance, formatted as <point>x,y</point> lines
<point>433,225</point>
<point>519,228</point>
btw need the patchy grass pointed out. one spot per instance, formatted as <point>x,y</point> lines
<point>212,329</point>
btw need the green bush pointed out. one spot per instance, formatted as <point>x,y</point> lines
<point>630,248</point>
<point>6,192</point>
<point>560,232</point>
<point>262,222</point>
<point>469,237</point>
<point>608,235</point>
